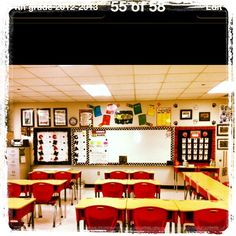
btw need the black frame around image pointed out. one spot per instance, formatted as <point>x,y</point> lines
<point>204,116</point>
<point>60,116</point>
<point>186,114</point>
<point>222,144</point>
<point>222,130</point>
<point>44,120</point>
<point>27,117</point>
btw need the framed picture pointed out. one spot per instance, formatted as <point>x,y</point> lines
<point>204,116</point>
<point>222,130</point>
<point>44,117</point>
<point>27,117</point>
<point>86,118</point>
<point>186,114</point>
<point>60,116</point>
<point>222,144</point>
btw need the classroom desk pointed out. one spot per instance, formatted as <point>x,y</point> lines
<point>59,185</point>
<point>131,182</point>
<point>129,172</point>
<point>76,175</point>
<point>179,169</point>
<point>19,207</point>
<point>208,185</point>
<point>119,203</point>
<point>187,208</point>
<point>168,205</point>
<point>98,185</point>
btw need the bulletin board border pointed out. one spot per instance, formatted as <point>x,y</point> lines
<point>76,129</point>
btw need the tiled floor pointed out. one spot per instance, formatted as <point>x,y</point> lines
<point>68,223</point>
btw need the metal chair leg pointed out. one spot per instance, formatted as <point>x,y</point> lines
<point>54,216</point>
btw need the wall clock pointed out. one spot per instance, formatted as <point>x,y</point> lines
<point>73,121</point>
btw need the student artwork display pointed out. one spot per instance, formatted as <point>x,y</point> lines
<point>105,120</point>
<point>225,114</point>
<point>151,110</point>
<point>111,108</point>
<point>96,110</point>
<point>163,116</point>
<point>52,146</point>
<point>142,119</point>
<point>194,144</point>
<point>137,108</point>
<point>123,117</point>
<point>204,116</point>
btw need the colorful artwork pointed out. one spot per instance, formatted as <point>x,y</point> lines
<point>105,120</point>
<point>151,110</point>
<point>142,119</point>
<point>124,117</point>
<point>137,108</point>
<point>163,116</point>
<point>111,108</point>
<point>85,118</point>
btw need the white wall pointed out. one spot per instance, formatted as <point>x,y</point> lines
<point>164,174</point>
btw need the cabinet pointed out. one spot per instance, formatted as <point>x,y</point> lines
<point>18,162</point>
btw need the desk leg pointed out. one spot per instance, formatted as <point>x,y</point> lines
<point>60,205</point>
<point>170,227</point>
<point>80,180</point>
<point>32,218</point>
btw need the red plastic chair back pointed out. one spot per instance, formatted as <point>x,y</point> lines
<point>43,192</point>
<point>39,175</point>
<point>211,220</point>
<point>101,218</point>
<point>140,175</point>
<point>64,175</point>
<point>14,190</point>
<point>150,219</point>
<point>112,189</point>
<point>144,190</point>
<point>118,175</point>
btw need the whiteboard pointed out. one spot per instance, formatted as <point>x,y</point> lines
<point>139,145</point>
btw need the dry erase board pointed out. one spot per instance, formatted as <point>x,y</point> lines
<point>141,145</point>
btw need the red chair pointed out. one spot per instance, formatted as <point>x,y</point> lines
<point>140,175</point>
<point>118,175</point>
<point>38,175</point>
<point>14,190</point>
<point>212,175</point>
<point>226,183</point>
<point>113,189</point>
<point>64,175</point>
<point>44,194</point>
<point>101,218</point>
<point>144,190</point>
<point>149,219</point>
<point>211,220</point>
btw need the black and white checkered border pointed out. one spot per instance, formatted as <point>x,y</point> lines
<point>73,130</point>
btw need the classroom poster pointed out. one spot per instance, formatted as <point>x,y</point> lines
<point>163,116</point>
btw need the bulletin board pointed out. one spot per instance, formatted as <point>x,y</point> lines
<point>141,145</point>
<point>52,146</point>
<point>195,144</point>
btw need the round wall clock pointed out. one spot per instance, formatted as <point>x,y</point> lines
<point>73,121</point>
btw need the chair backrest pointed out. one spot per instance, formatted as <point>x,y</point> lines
<point>101,218</point>
<point>211,220</point>
<point>118,175</point>
<point>39,175</point>
<point>112,189</point>
<point>150,219</point>
<point>144,190</point>
<point>13,190</point>
<point>43,192</point>
<point>140,175</point>
<point>65,176</point>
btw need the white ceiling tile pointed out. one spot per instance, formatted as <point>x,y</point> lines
<point>81,70</point>
<point>46,88</point>
<point>190,95</point>
<point>175,85</point>
<point>59,81</point>
<point>118,79</point>
<point>68,88</point>
<point>150,69</point>
<point>169,91</point>
<point>47,72</point>
<point>202,84</point>
<point>53,94</point>
<point>146,91</point>
<point>76,93</point>
<point>212,77</point>
<point>174,69</point>
<point>216,68</point>
<point>148,86</point>
<point>122,92</point>
<point>32,94</point>
<point>20,73</point>
<point>21,89</point>
<point>31,82</point>
<point>149,78</point>
<point>166,97</point>
<point>124,97</point>
<point>120,86</point>
<point>83,98</point>
<point>181,77</point>
<point>113,70</point>
<point>196,90</point>
<point>146,97</point>
<point>88,80</point>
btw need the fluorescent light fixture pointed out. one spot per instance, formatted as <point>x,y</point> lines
<point>96,89</point>
<point>223,87</point>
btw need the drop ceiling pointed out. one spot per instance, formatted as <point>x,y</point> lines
<point>62,83</point>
